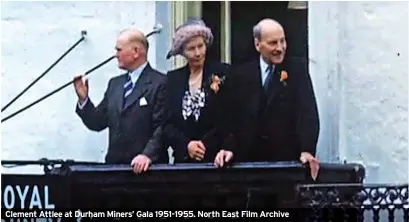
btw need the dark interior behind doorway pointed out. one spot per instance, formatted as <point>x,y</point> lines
<point>244,15</point>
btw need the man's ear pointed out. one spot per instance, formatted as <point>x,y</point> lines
<point>257,44</point>
<point>137,50</point>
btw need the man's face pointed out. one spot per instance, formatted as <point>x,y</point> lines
<point>126,53</point>
<point>195,51</point>
<point>272,45</point>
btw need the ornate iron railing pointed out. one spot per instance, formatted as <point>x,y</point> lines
<point>356,202</point>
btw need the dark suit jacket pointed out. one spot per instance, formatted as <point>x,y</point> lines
<point>273,126</point>
<point>180,132</point>
<point>133,129</point>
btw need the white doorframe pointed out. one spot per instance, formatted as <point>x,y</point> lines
<point>181,11</point>
<point>225,34</point>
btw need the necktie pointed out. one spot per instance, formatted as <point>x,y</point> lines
<point>128,87</point>
<point>267,82</point>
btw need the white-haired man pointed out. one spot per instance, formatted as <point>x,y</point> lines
<point>270,105</point>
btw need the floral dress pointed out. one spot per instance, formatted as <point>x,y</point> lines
<point>192,103</point>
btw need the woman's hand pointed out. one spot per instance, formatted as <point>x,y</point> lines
<point>196,150</point>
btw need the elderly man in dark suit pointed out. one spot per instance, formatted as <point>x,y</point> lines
<point>132,107</point>
<point>271,105</point>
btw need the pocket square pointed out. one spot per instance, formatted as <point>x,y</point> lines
<point>143,102</point>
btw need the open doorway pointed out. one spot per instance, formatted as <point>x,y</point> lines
<point>242,17</point>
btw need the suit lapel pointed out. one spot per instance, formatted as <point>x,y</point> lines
<point>207,78</point>
<point>208,71</point>
<point>180,86</point>
<point>253,78</point>
<point>119,92</point>
<point>141,86</point>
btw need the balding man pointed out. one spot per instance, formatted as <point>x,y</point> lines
<point>272,105</point>
<point>132,107</point>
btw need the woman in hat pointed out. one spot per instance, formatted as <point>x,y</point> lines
<point>193,96</point>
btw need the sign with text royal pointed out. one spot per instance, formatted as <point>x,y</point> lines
<point>28,192</point>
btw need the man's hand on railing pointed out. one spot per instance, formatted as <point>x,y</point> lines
<point>313,162</point>
<point>141,163</point>
<point>224,156</point>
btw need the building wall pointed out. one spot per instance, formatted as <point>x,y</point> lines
<point>358,62</point>
<point>33,36</point>
<point>359,66</point>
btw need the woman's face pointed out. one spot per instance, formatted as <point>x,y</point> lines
<point>195,51</point>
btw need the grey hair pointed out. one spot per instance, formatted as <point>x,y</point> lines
<point>257,28</point>
<point>257,31</point>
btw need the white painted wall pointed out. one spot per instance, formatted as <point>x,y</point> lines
<point>359,65</point>
<point>33,36</point>
<point>359,79</point>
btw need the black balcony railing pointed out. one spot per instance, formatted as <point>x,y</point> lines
<point>355,202</point>
<point>338,194</point>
